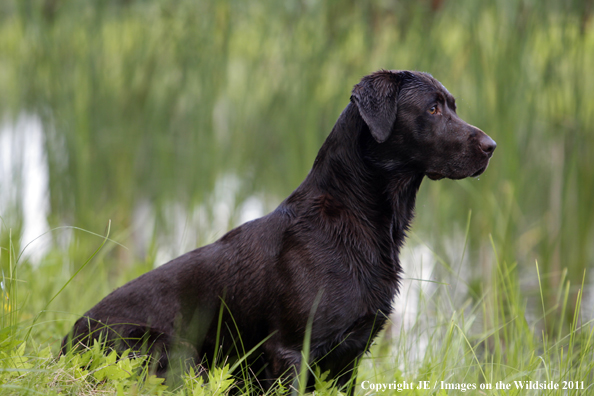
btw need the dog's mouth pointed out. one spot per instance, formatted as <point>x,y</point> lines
<point>479,172</point>
<point>439,176</point>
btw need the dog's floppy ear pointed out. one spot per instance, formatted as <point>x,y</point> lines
<point>376,98</point>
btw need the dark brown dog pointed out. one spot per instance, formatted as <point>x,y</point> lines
<point>329,250</point>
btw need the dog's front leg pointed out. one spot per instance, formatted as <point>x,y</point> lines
<point>283,364</point>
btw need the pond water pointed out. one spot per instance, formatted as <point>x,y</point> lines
<point>24,180</point>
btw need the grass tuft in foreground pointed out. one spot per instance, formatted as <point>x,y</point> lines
<point>488,341</point>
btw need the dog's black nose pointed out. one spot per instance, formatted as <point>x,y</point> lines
<point>487,144</point>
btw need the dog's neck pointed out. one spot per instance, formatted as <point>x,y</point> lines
<point>340,171</point>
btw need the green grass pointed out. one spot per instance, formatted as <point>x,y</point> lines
<point>480,340</point>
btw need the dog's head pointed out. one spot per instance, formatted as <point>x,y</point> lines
<point>413,122</point>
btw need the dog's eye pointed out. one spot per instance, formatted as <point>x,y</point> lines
<point>433,110</point>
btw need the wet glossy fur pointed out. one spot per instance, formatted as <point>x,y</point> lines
<point>334,240</point>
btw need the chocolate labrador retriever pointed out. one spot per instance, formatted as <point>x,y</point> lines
<point>328,255</point>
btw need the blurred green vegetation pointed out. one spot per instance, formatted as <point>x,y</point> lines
<point>153,102</point>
